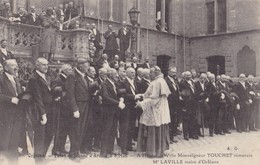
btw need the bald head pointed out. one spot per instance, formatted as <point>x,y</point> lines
<point>146,73</point>
<point>102,73</point>
<point>11,67</point>
<point>112,74</point>
<point>91,72</point>
<point>66,69</point>
<point>42,65</point>
<point>130,73</point>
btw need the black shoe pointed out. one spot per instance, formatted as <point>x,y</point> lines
<point>130,149</point>
<point>222,133</point>
<point>200,135</point>
<point>124,152</point>
<point>186,138</point>
<point>239,131</point>
<point>211,135</point>
<point>227,132</point>
<point>85,152</point>
<point>195,137</point>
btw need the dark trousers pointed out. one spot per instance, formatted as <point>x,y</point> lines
<point>188,122</point>
<point>245,117</point>
<point>212,118</point>
<point>222,114</point>
<point>131,127</point>
<point>109,130</point>
<point>61,134</point>
<point>253,116</point>
<point>124,127</point>
<point>43,135</point>
<point>98,126</point>
<point>173,125</point>
<point>73,130</point>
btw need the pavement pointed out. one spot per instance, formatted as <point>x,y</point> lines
<point>235,148</point>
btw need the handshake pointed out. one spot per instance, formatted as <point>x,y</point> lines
<point>139,96</point>
<point>121,104</point>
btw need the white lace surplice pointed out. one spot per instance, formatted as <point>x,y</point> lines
<point>155,105</point>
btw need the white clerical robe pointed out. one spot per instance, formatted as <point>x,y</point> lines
<point>155,104</point>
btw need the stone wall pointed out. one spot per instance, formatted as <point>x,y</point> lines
<point>227,45</point>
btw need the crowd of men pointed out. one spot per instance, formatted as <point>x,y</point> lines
<point>62,13</point>
<point>96,105</point>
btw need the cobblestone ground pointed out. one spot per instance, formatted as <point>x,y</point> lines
<point>235,148</point>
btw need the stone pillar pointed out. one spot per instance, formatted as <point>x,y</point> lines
<point>171,15</point>
<point>81,43</point>
<point>216,17</point>
<point>162,15</point>
<point>110,10</point>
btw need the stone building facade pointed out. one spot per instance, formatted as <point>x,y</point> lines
<point>221,36</point>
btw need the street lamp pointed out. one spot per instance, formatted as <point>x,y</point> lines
<point>133,15</point>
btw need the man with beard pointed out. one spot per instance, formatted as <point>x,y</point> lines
<point>173,100</point>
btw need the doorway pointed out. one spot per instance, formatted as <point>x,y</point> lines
<point>163,63</point>
<point>216,64</point>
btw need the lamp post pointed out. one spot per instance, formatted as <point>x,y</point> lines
<point>133,15</point>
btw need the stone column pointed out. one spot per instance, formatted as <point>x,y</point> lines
<point>216,17</point>
<point>110,10</point>
<point>162,15</point>
<point>171,16</point>
<point>81,43</point>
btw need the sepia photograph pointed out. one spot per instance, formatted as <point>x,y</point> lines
<point>139,82</point>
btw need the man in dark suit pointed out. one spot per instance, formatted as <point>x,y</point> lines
<point>78,99</point>
<point>214,98</point>
<point>224,110</point>
<point>145,81</point>
<point>39,87</point>
<point>97,110</point>
<point>242,119</point>
<point>128,116</point>
<point>111,104</point>
<point>188,93</point>
<point>202,98</point>
<point>115,62</point>
<point>60,13</point>
<point>146,63</point>
<point>97,39</point>
<point>111,47</point>
<point>253,107</point>
<point>11,115</point>
<point>33,18</point>
<point>124,35</point>
<point>4,53</point>
<point>62,112</point>
<point>173,100</point>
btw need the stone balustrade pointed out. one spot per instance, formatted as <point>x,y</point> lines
<point>70,44</point>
